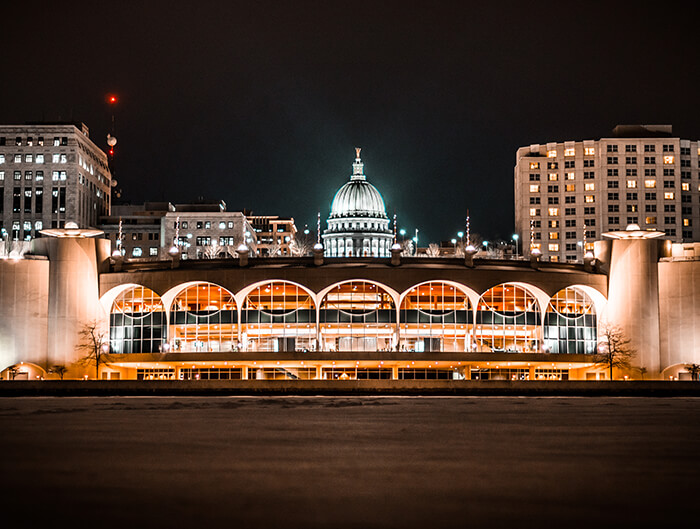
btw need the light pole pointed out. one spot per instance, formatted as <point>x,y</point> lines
<point>454,243</point>
<point>486,245</point>
<point>415,239</point>
<point>515,238</point>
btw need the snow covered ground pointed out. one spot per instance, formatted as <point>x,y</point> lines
<point>349,462</point>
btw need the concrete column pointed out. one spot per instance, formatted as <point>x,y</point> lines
<point>633,297</point>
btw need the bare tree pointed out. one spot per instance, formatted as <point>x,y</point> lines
<point>300,246</point>
<point>433,250</point>
<point>59,370</point>
<point>642,371</point>
<point>694,370</point>
<point>614,349</point>
<point>407,248</point>
<point>274,250</point>
<point>94,343</point>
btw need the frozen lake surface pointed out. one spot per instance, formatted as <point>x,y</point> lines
<point>293,462</point>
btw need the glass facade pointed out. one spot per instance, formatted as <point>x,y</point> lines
<point>203,317</point>
<point>435,316</point>
<point>570,323</point>
<point>278,316</point>
<point>137,322</point>
<point>508,320</point>
<point>357,316</point>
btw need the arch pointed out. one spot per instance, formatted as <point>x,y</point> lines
<point>570,323</point>
<point>203,317</point>
<point>436,315</point>
<point>509,319</point>
<point>137,321</point>
<point>23,371</point>
<point>278,315</point>
<point>357,315</point>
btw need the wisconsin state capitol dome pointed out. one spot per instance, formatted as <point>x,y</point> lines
<point>358,225</point>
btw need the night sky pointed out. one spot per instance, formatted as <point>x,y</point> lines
<point>261,103</point>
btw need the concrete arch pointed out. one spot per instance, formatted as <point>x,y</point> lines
<point>596,296</point>
<point>393,293</point>
<point>109,297</point>
<point>169,297</point>
<point>29,370</point>
<point>470,293</point>
<point>673,370</point>
<point>242,294</point>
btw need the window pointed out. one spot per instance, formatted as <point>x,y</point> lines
<point>650,220</point>
<point>649,148</point>
<point>669,172</point>
<point>632,196</point>
<point>685,186</point>
<point>39,158</point>
<point>590,186</point>
<point>534,188</point>
<point>630,148</point>
<point>669,208</point>
<point>687,210</point>
<point>649,159</point>
<point>534,200</point>
<point>552,189</point>
<point>612,172</point>
<point>569,152</point>
<point>534,212</point>
<point>570,223</point>
<point>570,176</point>
<point>570,234</point>
<point>669,195</point>
<point>553,212</point>
<point>589,210</point>
<point>589,151</point>
<point>631,160</point>
<point>536,223</point>
<point>613,220</point>
<point>203,241</point>
<point>632,220</point>
<point>534,165</point>
<point>614,196</point>
<point>650,208</point>
<point>570,211</point>
<point>137,252</point>
<point>669,220</point>
<point>630,172</point>
<point>670,232</point>
<point>569,164</point>
<point>28,175</point>
<point>552,154</point>
<point>612,148</point>
<point>64,141</point>
<point>631,184</point>
<point>230,222</point>
<point>589,199</point>
<point>153,251</point>
<point>571,247</point>
<point>632,208</point>
<point>588,175</point>
<point>553,177</point>
<point>650,184</point>
<point>570,188</point>
<point>534,177</point>
<point>668,148</point>
<point>588,223</point>
<point>570,199</point>
<point>613,208</point>
<point>590,234</point>
<point>18,158</point>
<point>553,247</point>
<point>685,151</point>
<point>687,222</point>
<point>199,225</point>
<point>613,184</point>
<point>649,172</point>
<point>612,160</point>
<point>17,175</point>
<point>687,234</point>
<point>669,184</point>
<point>553,235</point>
<point>553,224</point>
<point>28,158</point>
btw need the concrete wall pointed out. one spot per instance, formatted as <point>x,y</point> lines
<point>24,302</point>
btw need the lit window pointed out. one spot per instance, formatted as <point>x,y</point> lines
<point>570,188</point>
<point>631,184</point>
<point>589,151</point>
<point>39,158</point>
<point>553,247</point>
<point>649,183</point>
<point>553,177</point>
<point>18,158</point>
<point>589,186</point>
<point>63,158</point>
<point>222,225</point>
<point>38,225</point>
<point>534,188</point>
<point>551,154</point>
<point>534,165</point>
<point>137,252</point>
<point>153,251</point>
<point>230,224</point>
<point>686,222</point>
<point>668,160</point>
<point>553,212</point>
<point>569,152</point>
<point>2,176</point>
<point>589,198</point>
<point>28,158</point>
<point>651,220</point>
<point>553,223</point>
<point>685,186</point>
<point>554,235</point>
<point>534,212</point>
<point>669,195</point>
<point>2,158</point>
<point>569,176</point>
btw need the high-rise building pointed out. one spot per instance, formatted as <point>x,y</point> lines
<point>276,235</point>
<point>568,193</point>
<point>50,174</point>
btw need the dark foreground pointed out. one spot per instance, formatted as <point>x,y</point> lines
<point>293,462</point>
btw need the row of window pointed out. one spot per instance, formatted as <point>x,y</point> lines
<point>38,158</point>
<point>37,176</point>
<point>58,141</point>
<point>612,172</point>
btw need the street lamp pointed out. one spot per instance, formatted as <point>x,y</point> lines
<point>454,243</point>
<point>486,245</point>
<point>515,238</point>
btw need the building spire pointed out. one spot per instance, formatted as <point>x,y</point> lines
<point>358,167</point>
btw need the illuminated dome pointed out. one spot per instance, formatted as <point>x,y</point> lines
<point>357,225</point>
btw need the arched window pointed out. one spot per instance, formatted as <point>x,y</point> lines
<point>435,316</point>
<point>508,320</point>
<point>357,316</point>
<point>278,316</point>
<point>570,323</point>
<point>203,318</point>
<point>137,322</point>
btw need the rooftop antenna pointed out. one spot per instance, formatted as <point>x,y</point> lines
<point>394,228</point>
<point>467,230</point>
<point>318,228</point>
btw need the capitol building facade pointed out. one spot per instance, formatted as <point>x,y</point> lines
<point>358,225</point>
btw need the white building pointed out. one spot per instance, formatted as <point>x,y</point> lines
<point>358,225</point>
<point>568,193</point>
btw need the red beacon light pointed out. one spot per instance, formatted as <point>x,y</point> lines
<point>112,99</point>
